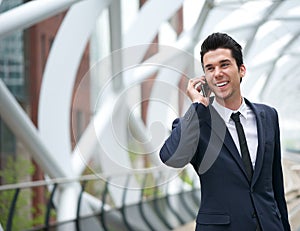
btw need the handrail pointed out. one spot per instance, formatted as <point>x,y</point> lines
<point>63,180</point>
<point>154,199</point>
<point>102,212</point>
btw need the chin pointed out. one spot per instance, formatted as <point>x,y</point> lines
<point>223,96</point>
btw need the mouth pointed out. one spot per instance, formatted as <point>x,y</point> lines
<point>222,84</point>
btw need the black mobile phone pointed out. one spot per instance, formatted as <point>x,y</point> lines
<point>205,89</point>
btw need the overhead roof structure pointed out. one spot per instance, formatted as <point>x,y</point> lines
<point>268,30</point>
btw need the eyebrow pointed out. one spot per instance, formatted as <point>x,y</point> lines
<point>225,61</point>
<point>222,61</point>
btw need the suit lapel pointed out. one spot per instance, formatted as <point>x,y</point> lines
<point>220,130</point>
<point>261,129</point>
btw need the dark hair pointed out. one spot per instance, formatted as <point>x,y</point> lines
<point>221,40</point>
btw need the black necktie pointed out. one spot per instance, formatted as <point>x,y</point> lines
<point>243,144</point>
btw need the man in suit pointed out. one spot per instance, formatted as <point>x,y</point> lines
<point>242,186</point>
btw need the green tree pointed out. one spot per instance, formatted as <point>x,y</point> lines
<point>16,169</point>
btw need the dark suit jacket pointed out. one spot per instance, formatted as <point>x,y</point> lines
<point>228,200</point>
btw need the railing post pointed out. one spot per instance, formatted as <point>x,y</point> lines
<point>12,210</point>
<point>123,205</point>
<point>49,206</point>
<point>103,222</point>
<point>172,208</point>
<point>78,205</point>
<point>157,209</point>
<point>141,204</point>
<point>185,203</point>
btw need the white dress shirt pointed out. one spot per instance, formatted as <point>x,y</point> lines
<point>248,121</point>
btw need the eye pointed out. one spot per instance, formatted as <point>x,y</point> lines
<point>209,69</point>
<point>224,65</point>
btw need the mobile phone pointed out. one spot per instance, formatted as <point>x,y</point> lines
<point>205,89</point>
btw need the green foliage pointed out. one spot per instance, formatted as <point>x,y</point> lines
<point>16,168</point>
<point>186,178</point>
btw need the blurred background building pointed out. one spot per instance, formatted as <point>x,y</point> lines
<point>88,92</point>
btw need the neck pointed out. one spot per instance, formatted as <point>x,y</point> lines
<point>231,104</point>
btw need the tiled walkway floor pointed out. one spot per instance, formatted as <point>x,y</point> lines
<point>187,227</point>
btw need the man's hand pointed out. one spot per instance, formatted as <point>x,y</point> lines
<point>194,91</point>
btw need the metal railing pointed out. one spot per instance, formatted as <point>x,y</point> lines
<point>154,200</point>
<point>155,205</point>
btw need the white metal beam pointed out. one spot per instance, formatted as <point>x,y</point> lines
<point>55,106</point>
<point>149,25</point>
<point>30,13</point>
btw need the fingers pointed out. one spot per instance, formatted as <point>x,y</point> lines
<point>194,90</point>
<point>198,86</point>
<point>195,83</point>
<point>192,84</point>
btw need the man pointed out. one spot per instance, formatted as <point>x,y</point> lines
<point>242,184</point>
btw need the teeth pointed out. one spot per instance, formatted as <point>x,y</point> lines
<point>221,84</point>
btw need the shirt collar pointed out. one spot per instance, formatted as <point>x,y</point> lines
<point>225,113</point>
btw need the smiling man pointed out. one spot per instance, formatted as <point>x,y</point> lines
<point>233,145</point>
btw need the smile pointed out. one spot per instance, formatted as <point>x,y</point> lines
<point>222,84</point>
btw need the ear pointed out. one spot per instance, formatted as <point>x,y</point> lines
<point>242,70</point>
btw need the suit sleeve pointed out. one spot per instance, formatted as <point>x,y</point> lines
<point>278,183</point>
<point>181,145</point>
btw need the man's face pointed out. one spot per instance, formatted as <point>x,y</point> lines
<point>223,75</point>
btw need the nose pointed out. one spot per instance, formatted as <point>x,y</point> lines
<point>218,72</point>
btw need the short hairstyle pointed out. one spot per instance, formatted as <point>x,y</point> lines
<point>221,40</point>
